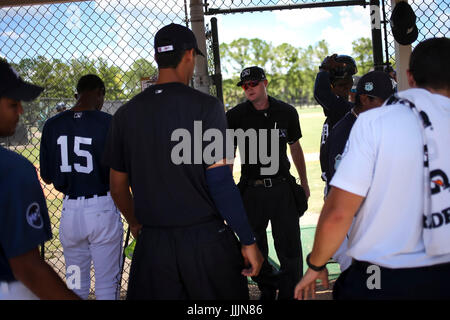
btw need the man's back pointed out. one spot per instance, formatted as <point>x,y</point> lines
<point>71,149</point>
<point>160,128</point>
<point>389,174</point>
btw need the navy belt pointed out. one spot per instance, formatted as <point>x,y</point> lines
<point>89,196</point>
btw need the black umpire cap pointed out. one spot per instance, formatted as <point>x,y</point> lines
<point>252,74</point>
<point>175,37</point>
<point>12,85</point>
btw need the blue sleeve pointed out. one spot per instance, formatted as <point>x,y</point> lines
<point>25,223</point>
<point>227,199</point>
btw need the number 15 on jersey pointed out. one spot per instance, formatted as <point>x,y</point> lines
<point>78,141</point>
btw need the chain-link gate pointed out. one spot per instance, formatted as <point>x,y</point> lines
<point>54,45</point>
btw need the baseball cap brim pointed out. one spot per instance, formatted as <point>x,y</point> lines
<point>197,51</point>
<point>404,38</point>
<point>25,92</point>
<point>240,83</point>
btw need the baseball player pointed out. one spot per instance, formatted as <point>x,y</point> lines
<point>372,90</point>
<point>397,194</point>
<point>24,220</point>
<point>331,90</point>
<point>177,210</point>
<point>91,228</point>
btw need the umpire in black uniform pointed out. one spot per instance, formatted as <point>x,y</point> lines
<point>177,209</point>
<point>269,197</point>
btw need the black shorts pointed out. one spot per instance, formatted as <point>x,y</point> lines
<point>201,262</point>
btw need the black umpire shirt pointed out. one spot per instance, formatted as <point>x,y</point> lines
<point>278,115</point>
<point>140,143</point>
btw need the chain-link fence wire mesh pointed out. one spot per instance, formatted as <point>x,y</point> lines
<point>54,45</point>
<point>433,20</point>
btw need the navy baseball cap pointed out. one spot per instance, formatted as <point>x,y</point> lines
<point>403,24</point>
<point>12,85</point>
<point>252,74</point>
<point>376,84</point>
<point>175,37</point>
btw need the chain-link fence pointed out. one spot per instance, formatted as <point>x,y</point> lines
<point>54,45</point>
<point>433,20</point>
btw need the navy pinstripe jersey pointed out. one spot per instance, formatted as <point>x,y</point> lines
<point>72,146</point>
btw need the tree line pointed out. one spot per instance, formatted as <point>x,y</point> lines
<point>290,70</point>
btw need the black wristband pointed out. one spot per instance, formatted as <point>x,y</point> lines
<point>313,267</point>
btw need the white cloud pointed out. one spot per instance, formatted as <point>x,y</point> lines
<point>13,35</point>
<point>302,17</point>
<point>353,24</point>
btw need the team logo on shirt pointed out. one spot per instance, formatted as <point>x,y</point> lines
<point>77,115</point>
<point>34,217</point>
<point>439,181</point>
<point>283,133</point>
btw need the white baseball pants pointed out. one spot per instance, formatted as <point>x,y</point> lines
<point>91,230</point>
<point>15,290</point>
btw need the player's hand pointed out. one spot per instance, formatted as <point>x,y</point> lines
<point>253,260</point>
<point>135,229</point>
<point>330,63</point>
<point>307,286</point>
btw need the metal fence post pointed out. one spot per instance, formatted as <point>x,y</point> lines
<point>402,54</point>
<point>216,56</point>
<point>201,78</point>
<point>377,44</point>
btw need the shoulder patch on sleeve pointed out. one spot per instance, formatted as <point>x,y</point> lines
<point>34,217</point>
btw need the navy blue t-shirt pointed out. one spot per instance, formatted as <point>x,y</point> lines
<point>24,220</point>
<point>336,143</point>
<point>72,146</point>
<point>146,140</point>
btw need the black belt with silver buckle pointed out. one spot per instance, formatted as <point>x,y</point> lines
<point>88,196</point>
<point>266,182</point>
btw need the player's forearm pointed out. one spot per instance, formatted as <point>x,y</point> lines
<point>334,222</point>
<point>299,161</point>
<point>124,201</point>
<point>121,194</point>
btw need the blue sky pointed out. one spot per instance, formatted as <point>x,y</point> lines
<point>122,31</point>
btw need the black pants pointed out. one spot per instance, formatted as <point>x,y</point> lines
<point>358,283</point>
<point>276,204</point>
<point>202,262</point>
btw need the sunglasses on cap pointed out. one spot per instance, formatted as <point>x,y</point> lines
<point>249,84</point>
